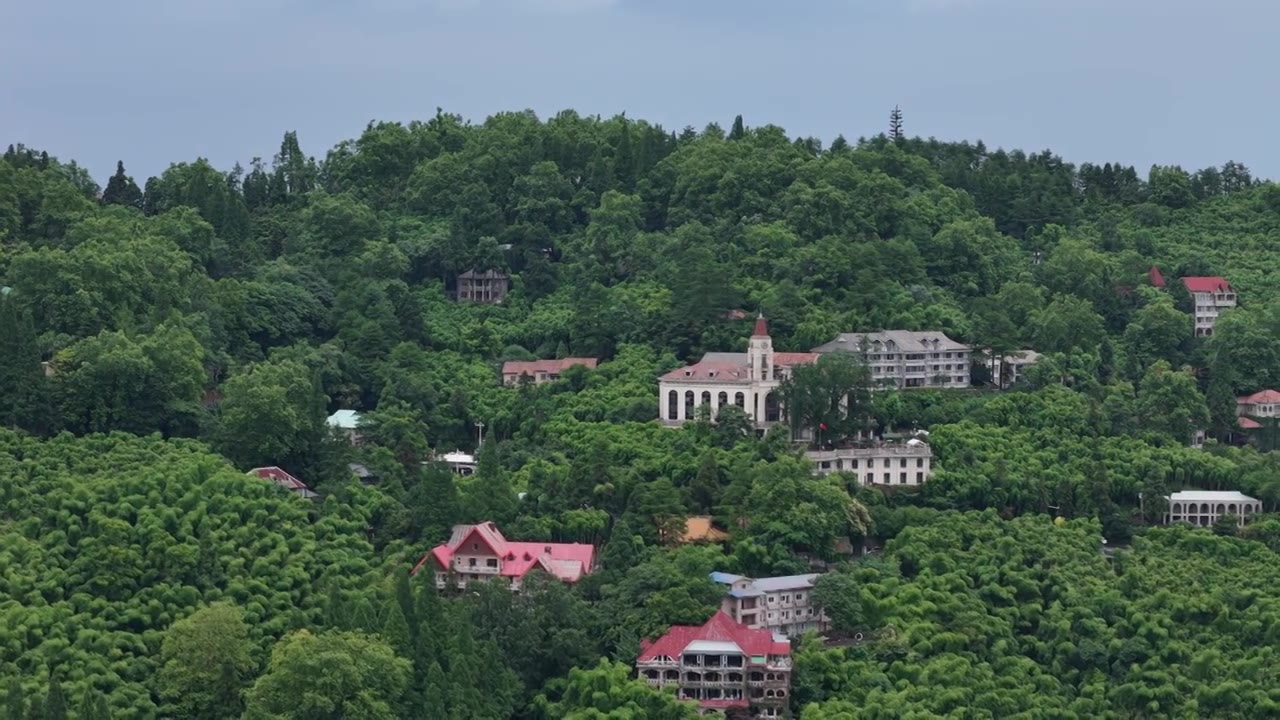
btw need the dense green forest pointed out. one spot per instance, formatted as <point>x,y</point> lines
<point>159,339</point>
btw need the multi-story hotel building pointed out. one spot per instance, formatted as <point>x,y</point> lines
<point>907,359</point>
<point>784,605</point>
<point>878,463</point>
<point>1213,296</point>
<point>722,665</point>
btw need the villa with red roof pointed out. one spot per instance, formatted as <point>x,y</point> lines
<point>477,553</point>
<point>1265,404</point>
<point>1213,296</point>
<point>721,664</point>
<point>541,371</point>
<point>284,480</point>
<point>749,380</point>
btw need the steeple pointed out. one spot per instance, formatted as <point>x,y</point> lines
<point>762,328</point>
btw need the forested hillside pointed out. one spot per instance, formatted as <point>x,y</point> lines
<point>159,338</point>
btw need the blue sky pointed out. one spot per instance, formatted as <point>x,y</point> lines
<point>1187,82</point>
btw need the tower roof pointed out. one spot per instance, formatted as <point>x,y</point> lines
<point>762,328</point>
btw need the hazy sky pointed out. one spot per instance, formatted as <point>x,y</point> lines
<point>1191,82</point>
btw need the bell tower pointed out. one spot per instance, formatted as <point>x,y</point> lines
<point>760,352</point>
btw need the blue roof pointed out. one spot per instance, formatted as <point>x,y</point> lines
<point>725,578</point>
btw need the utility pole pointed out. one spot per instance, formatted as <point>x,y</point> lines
<point>480,427</point>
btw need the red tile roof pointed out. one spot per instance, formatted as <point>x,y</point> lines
<point>1248,423</point>
<point>1210,284</point>
<point>279,477</point>
<point>716,367</point>
<point>791,359</point>
<point>762,328</point>
<point>1155,277</point>
<point>566,561</point>
<point>720,628</point>
<point>533,367</point>
<point>1265,396</point>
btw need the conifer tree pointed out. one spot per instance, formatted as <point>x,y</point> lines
<point>464,698</point>
<point>35,708</point>
<point>22,380</point>
<point>363,617</point>
<point>93,705</point>
<point>122,190</point>
<point>14,704</point>
<point>435,698</point>
<point>490,495</point>
<point>55,702</point>
<point>738,131</point>
<point>895,124</point>
<point>395,629</point>
<point>336,616</point>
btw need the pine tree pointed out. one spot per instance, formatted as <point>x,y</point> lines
<point>14,704</point>
<point>435,697</point>
<point>490,495</point>
<point>35,708</point>
<point>432,627</point>
<point>22,380</point>
<point>465,700</point>
<point>895,125</point>
<point>93,705</point>
<point>336,615</point>
<point>705,489</point>
<point>122,190</point>
<point>738,131</point>
<point>363,617</point>
<point>395,629</point>
<point>55,703</point>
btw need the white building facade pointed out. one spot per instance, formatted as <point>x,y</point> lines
<point>878,463</point>
<point>748,380</point>
<point>784,605</point>
<point>1213,296</point>
<point>1203,508</point>
<point>907,359</point>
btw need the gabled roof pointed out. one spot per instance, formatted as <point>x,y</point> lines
<point>565,561</point>
<point>1265,396</point>
<point>903,341</point>
<point>759,586</point>
<point>533,367</point>
<point>699,528</point>
<point>344,419</point>
<point>1155,277</point>
<point>1248,423</point>
<point>1209,284</point>
<point>728,368</point>
<point>284,480</point>
<point>720,628</point>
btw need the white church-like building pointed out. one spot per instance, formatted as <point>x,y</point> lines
<point>749,380</point>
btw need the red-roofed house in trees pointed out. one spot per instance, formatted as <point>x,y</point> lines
<point>284,480</point>
<point>477,553</point>
<point>1212,296</point>
<point>541,371</point>
<point>749,380</point>
<point>1155,277</point>
<point>1265,404</point>
<point>721,664</point>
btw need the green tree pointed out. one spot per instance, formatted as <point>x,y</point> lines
<point>55,702</point>
<point>22,381</point>
<point>272,414</point>
<point>205,659</point>
<point>1170,404</point>
<point>15,703</point>
<point>831,398</point>
<point>489,495</point>
<point>608,690</point>
<point>332,675</point>
<point>122,190</point>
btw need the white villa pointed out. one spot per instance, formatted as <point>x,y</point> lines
<point>878,463</point>
<point>907,359</point>
<point>1203,508</point>
<point>749,380</point>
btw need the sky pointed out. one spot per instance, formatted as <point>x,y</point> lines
<point>152,82</point>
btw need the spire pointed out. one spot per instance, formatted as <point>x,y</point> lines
<point>762,329</point>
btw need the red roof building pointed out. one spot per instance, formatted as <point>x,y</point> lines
<point>475,553</point>
<point>1213,296</point>
<point>1155,277</point>
<point>284,480</point>
<point>721,664</point>
<point>1264,404</point>
<point>541,371</point>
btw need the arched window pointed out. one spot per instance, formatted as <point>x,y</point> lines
<point>1222,509</point>
<point>740,400</point>
<point>673,405</point>
<point>688,404</point>
<point>772,412</point>
<point>706,397</point>
<point>722,399</point>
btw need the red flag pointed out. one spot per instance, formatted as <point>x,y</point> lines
<point>822,426</point>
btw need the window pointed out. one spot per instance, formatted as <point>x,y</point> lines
<point>491,562</point>
<point>471,562</point>
<point>871,462</point>
<point>902,479</point>
<point>871,477</point>
<point>786,598</point>
<point>919,477</point>
<point>799,597</point>
<point>919,462</point>
<point>786,614</point>
<point>475,546</point>
<point>904,462</point>
<point>886,478</point>
<point>773,598</point>
<point>853,464</point>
